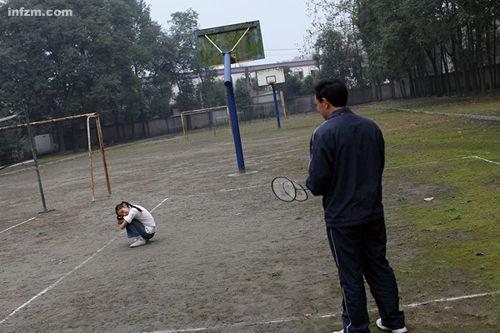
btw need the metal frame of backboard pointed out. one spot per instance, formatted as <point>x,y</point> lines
<point>227,45</point>
<point>243,41</point>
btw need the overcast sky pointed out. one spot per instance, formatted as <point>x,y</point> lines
<point>283,22</point>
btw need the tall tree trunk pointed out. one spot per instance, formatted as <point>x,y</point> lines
<point>117,125</point>
<point>438,70</point>
<point>358,52</point>
<point>432,59</point>
<point>145,133</point>
<point>462,61</point>
<point>422,78</point>
<point>456,64</point>
<point>480,62</point>
<point>490,62</point>
<point>494,53</point>
<point>132,123</point>
<point>411,82</point>
<point>402,88</point>
<point>375,90</point>
<point>379,87</point>
<point>473,60</point>
<point>446,70</point>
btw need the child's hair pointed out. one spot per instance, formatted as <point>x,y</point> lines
<point>124,204</point>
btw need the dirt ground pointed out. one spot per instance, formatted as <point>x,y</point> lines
<point>227,256</point>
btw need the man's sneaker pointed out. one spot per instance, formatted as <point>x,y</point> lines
<point>138,242</point>
<point>397,330</point>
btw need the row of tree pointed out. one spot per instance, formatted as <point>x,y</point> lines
<point>109,57</point>
<point>436,46</point>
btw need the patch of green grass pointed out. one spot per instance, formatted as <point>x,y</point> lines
<point>457,233</point>
<point>421,138</point>
<point>486,104</point>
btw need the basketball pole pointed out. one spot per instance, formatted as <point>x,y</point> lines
<point>276,107</point>
<point>228,82</point>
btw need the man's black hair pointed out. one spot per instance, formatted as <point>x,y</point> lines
<point>333,90</point>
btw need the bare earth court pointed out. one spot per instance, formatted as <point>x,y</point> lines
<point>229,257</point>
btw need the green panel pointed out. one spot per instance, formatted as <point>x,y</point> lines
<point>249,48</point>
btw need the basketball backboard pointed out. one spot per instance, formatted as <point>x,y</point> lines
<point>243,41</point>
<point>270,76</point>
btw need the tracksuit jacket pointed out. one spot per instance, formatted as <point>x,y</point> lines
<point>347,161</point>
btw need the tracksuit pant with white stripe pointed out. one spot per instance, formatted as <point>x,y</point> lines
<point>360,250</point>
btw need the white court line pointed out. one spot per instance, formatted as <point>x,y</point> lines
<point>56,283</point>
<point>445,160</point>
<point>78,155</point>
<point>276,153</point>
<point>158,205</point>
<point>31,219</point>
<point>28,166</point>
<point>328,315</point>
<point>395,167</point>
<point>451,299</point>
<point>428,162</point>
<point>241,188</point>
<point>222,190</point>
<point>483,159</point>
<point>67,274</point>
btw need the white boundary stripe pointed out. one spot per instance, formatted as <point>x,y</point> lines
<point>449,114</point>
<point>328,315</point>
<point>276,153</point>
<point>78,155</point>
<point>158,205</point>
<point>31,219</point>
<point>242,188</point>
<point>445,160</point>
<point>387,168</point>
<point>224,190</point>
<point>426,163</point>
<point>57,282</point>
<point>483,159</point>
<point>451,299</point>
<point>65,275</point>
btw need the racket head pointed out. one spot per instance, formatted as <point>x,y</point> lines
<point>300,192</point>
<point>284,189</point>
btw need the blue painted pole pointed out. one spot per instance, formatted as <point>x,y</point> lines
<point>276,107</point>
<point>228,82</point>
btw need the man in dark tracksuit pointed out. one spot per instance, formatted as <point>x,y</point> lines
<point>347,161</point>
